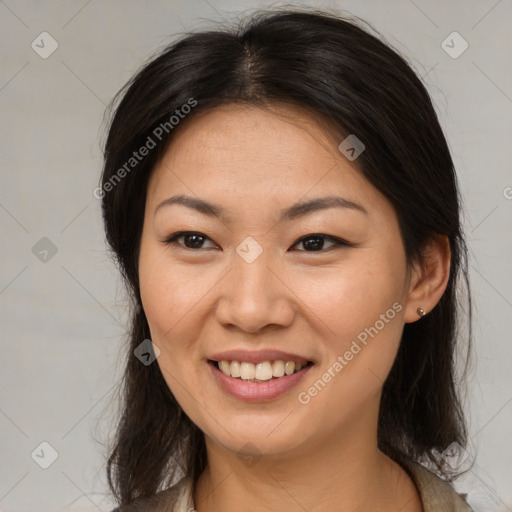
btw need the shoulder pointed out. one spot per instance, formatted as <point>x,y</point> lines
<point>177,498</point>
<point>436,494</point>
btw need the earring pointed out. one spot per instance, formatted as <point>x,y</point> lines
<point>421,312</point>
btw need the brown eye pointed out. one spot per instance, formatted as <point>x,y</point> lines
<point>190,239</point>
<point>193,241</point>
<point>316,242</point>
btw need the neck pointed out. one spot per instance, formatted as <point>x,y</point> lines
<point>346,474</point>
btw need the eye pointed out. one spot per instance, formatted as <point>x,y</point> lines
<point>315,242</point>
<point>191,239</point>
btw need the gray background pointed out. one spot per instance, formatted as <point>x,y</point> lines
<point>62,320</point>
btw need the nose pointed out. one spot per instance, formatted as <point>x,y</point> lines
<point>254,296</point>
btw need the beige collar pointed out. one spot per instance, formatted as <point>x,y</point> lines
<point>436,494</point>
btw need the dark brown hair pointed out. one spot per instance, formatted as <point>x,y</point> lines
<point>342,74</point>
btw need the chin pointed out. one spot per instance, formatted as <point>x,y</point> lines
<point>248,438</point>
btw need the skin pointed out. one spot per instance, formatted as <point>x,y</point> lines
<point>281,455</point>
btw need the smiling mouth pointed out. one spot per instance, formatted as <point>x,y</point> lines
<point>260,372</point>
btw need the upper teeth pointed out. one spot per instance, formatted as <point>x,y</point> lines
<point>260,371</point>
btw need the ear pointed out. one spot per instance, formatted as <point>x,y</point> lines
<point>429,278</point>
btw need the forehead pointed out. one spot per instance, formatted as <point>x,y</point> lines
<point>250,154</point>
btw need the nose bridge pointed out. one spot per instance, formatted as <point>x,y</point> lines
<point>252,278</point>
<point>253,296</point>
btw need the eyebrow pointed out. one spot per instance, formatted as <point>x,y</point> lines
<point>295,211</point>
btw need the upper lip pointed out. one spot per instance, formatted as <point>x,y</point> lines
<point>257,356</point>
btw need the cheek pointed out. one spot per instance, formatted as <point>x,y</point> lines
<point>177,301</point>
<point>168,301</point>
<point>351,297</point>
<point>169,292</point>
<point>361,307</point>
<point>172,303</point>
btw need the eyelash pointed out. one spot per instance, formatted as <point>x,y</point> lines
<point>337,241</point>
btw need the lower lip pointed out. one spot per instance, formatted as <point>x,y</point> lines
<point>257,391</point>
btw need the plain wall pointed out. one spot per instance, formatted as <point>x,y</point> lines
<point>63,320</point>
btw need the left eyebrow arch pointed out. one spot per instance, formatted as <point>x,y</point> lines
<point>320,203</point>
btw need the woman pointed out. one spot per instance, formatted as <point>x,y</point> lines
<point>283,206</point>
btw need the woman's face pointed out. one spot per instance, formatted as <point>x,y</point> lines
<point>254,282</point>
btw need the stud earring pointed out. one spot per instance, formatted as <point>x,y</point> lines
<point>421,312</point>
